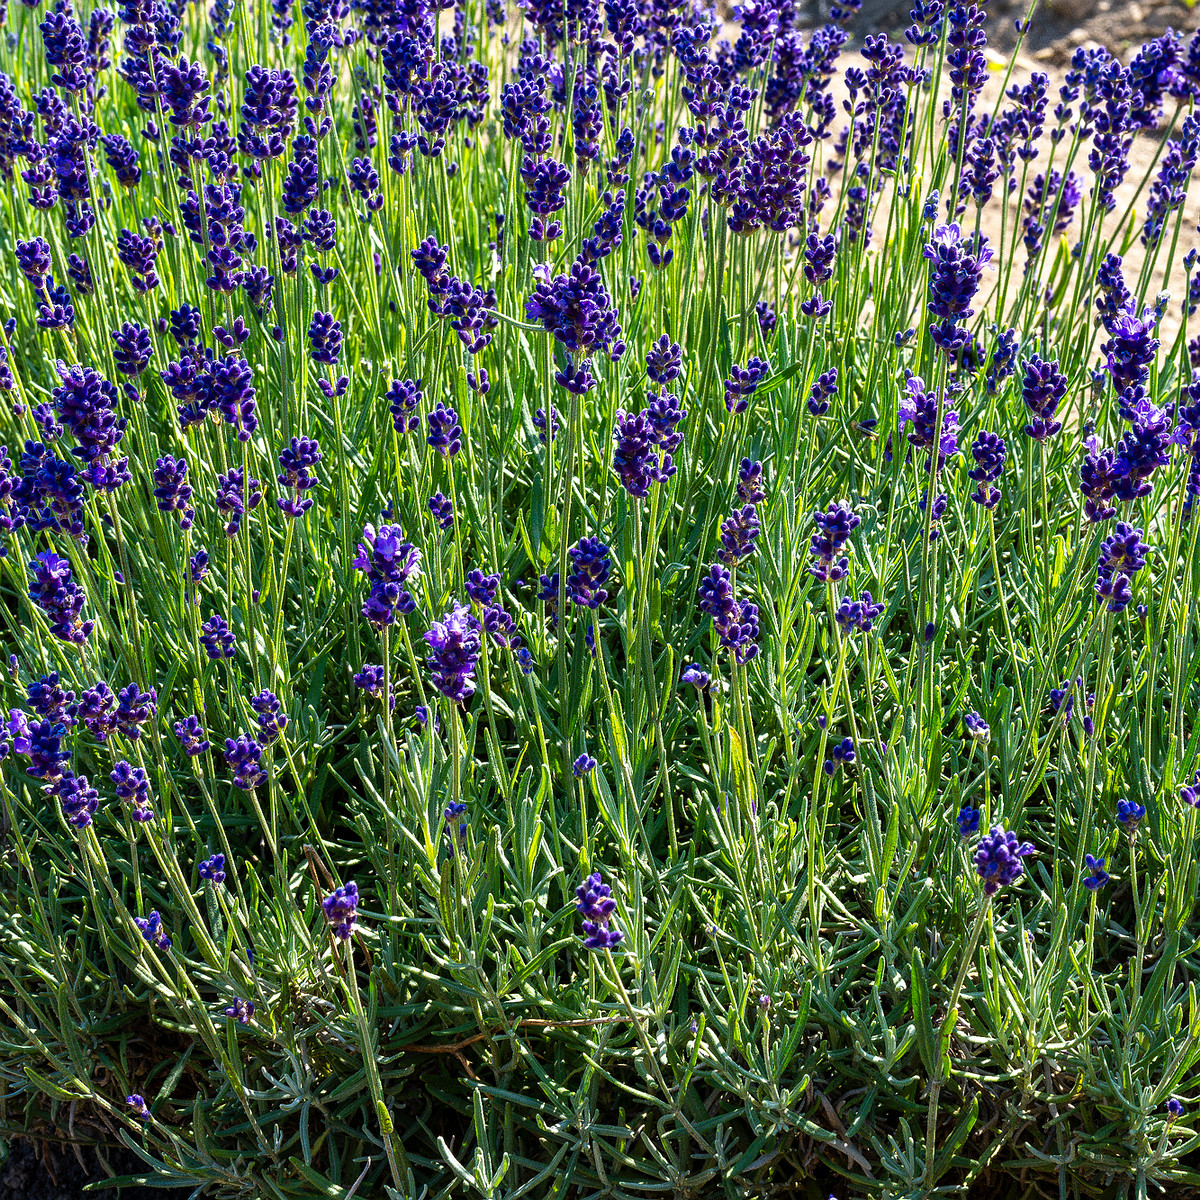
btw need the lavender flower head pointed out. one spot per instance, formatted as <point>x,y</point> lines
<point>577,310</point>
<point>749,488</point>
<point>243,756</point>
<point>295,462</point>
<point>736,621</point>
<point>454,650</point>
<point>445,433</point>
<point>78,800</point>
<point>217,638</point>
<point>172,491</point>
<point>1129,813</point>
<point>968,820</point>
<point>213,869</point>
<point>1131,350</point>
<point>594,902</point>
<point>42,742</point>
<point>591,566</point>
<point>1122,555</point>
<point>272,720</point>
<point>240,1010</point>
<point>919,408</point>
<point>663,360</point>
<point>1190,793</point>
<point>341,910</point>
<point>152,931</point>
<point>958,264</point>
<point>858,615</point>
<point>191,737</point>
<point>452,814</point>
<point>742,383</point>
<point>637,458</point>
<point>441,507</point>
<point>371,679</point>
<point>388,562</point>
<point>998,859</point>
<point>841,755</point>
<point>133,789</point>
<point>546,425</point>
<point>135,708</point>
<point>1096,876</point>
<point>977,727</point>
<point>1042,389</point>
<point>989,452</point>
<point>59,597</point>
<point>50,701</point>
<point>481,588</point>
<point>739,533</point>
<point>404,397</point>
<point>833,532</point>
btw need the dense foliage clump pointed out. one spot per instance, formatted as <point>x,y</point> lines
<point>597,603</point>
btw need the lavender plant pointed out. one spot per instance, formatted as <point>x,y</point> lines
<point>471,470</point>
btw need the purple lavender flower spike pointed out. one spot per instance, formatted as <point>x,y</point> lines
<point>217,638</point>
<point>858,615</point>
<point>233,395</point>
<point>954,278</point>
<point>968,820</point>
<point>840,755</point>
<point>736,621</point>
<point>989,452</point>
<point>295,462</point>
<point>1096,876</point>
<point>739,533</point>
<point>388,562</point>
<point>591,566</point>
<point>594,903</point>
<point>1122,555</point>
<point>133,789</point>
<point>919,408</point>
<point>1190,793</point>
<point>1043,389</point>
<point>404,398</point>
<point>445,433</point>
<point>998,859</point>
<point>442,509</point>
<point>272,720</point>
<point>1129,814</point>
<point>749,488</point>
<point>833,532</point>
<point>212,869</point>
<point>241,1011</point>
<point>172,491</point>
<point>577,310</point>
<point>243,755</point>
<point>59,597</point>
<point>151,929</point>
<point>637,459</point>
<point>341,910</point>
<point>47,697</point>
<point>742,383</point>
<point>78,800</point>
<point>454,651</point>
<point>977,727</point>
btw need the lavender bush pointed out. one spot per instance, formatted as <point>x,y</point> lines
<point>597,605</point>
